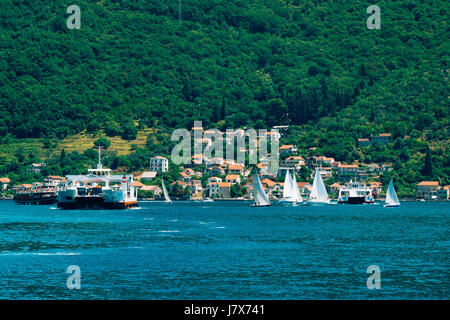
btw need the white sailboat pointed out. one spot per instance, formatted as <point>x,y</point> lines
<point>259,195</point>
<point>319,193</point>
<point>391,196</point>
<point>166,194</point>
<point>289,193</point>
<point>296,190</point>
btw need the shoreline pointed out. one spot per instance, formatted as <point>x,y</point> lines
<point>241,199</point>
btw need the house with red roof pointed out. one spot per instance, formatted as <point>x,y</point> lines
<point>443,193</point>
<point>233,179</point>
<point>288,149</point>
<point>427,189</point>
<point>4,183</point>
<point>236,169</point>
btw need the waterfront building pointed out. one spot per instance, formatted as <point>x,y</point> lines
<point>443,193</point>
<point>305,189</point>
<point>376,188</point>
<point>195,186</point>
<point>157,192</point>
<point>427,190</point>
<point>214,186</point>
<point>4,183</point>
<point>224,190</point>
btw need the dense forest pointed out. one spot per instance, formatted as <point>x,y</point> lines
<point>314,65</point>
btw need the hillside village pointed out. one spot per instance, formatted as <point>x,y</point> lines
<point>218,178</point>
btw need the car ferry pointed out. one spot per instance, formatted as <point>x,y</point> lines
<point>98,189</point>
<point>355,193</point>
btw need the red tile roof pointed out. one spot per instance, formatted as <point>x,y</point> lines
<point>235,166</point>
<point>429,183</point>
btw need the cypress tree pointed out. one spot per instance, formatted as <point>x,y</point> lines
<point>428,166</point>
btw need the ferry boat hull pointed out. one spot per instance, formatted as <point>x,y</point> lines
<point>82,203</point>
<point>98,205</point>
<point>121,205</point>
<point>353,200</point>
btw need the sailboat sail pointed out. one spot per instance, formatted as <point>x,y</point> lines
<point>287,188</point>
<point>166,194</point>
<point>318,192</point>
<point>296,191</point>
<point>391,196</point>
<point>259,195</point>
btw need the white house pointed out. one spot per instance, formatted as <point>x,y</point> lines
<point>233,178</point>
<point>159,164</point>
<point>36,167</point>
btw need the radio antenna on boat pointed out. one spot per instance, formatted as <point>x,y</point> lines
<point>99,165</point>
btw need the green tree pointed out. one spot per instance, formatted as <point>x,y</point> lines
<point>102,142</point>
<point>428,165</point>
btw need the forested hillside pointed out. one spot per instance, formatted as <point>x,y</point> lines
<point>312,64</point>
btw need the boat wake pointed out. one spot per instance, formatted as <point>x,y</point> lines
<point>40,253</point>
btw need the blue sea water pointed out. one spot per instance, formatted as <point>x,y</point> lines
<point>225,250</point>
